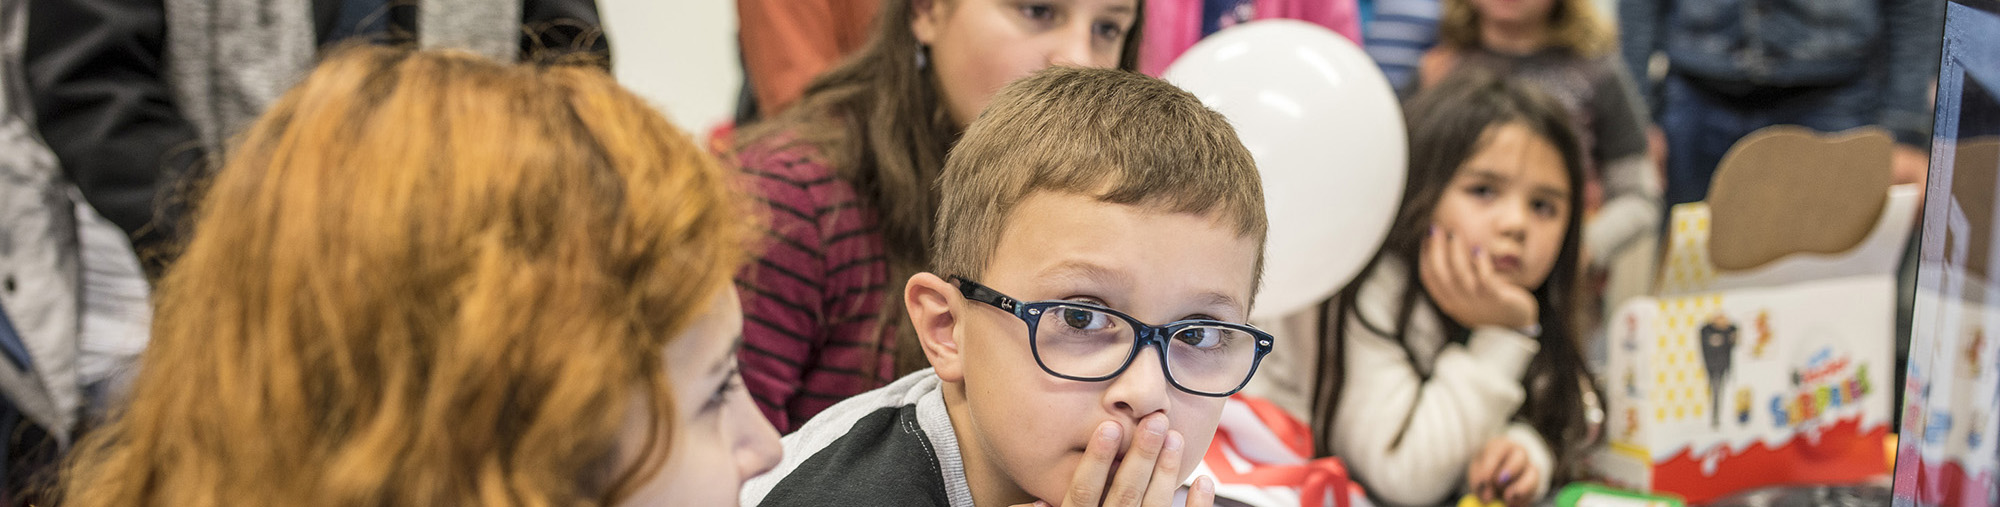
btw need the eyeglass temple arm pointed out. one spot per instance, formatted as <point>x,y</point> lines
<point>976,292</point>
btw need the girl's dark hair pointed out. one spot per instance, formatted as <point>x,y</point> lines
<point>881,122</point>
<point>1447,125</point>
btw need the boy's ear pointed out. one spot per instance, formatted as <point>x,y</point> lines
<point>928,299</point>
<point>926,19</point>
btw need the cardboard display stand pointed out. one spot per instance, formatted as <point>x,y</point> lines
<point>1766,356</point>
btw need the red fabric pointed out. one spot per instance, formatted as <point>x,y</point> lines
<point>1316,479</point>
<point>787,43</point>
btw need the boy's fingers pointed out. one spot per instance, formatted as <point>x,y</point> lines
<point>1167,472</point>
<point>1203,493</point>
<point>1128,488</point>
<point>1087,486</point>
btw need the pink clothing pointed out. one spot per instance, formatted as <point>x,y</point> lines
<point>1173,26</point>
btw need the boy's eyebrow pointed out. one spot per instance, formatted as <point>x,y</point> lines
<point>1102,275</point>
<point>1219,300</point>
<point>1085,270</point>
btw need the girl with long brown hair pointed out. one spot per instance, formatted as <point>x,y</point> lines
<point>846,177</point>
<point>430,279</point>
<point>1452,363</point>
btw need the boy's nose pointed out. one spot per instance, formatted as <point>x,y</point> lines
<point>1142,389</point>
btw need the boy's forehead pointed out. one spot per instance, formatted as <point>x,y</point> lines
<point>1053,237</point>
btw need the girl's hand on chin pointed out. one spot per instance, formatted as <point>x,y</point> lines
<point>1461,282</point>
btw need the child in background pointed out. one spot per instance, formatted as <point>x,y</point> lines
<point>848,175</point>
<point>1458,364</point>
<point>1082,209</point>
<point>1567,50</point>
<point>517,294</point>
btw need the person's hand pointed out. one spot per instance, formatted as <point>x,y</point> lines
<point>1501,473</point>
<point>1147,477</point>
<point>1462,283</point>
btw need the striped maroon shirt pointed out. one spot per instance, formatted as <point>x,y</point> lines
<point>810,303</point>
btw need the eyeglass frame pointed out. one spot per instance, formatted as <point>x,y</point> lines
<point>1030,313</point>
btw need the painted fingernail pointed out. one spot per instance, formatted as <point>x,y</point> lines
<point>1156,425</point>
<point>1506,477</point>
<point>1173,441</point>
<point>1477,251</point>
<point>1434,230</point>
<point>1108,432</point>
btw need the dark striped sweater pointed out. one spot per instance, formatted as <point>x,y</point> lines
<point>811,301</point>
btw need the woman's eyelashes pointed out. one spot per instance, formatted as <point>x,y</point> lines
<point>730,384</point>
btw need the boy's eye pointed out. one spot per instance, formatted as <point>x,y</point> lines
<point>1082,319</point>
<point>1203,337</point>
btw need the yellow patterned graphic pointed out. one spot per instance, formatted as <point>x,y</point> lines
<point>1682,391</point>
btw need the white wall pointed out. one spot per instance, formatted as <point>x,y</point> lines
<point>679,54</point>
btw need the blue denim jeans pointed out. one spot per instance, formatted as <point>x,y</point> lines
<point>1701,125</point>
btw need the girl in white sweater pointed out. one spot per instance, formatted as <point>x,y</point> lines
<point>1467,380</point>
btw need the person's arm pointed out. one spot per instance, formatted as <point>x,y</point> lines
<point>1913,36</point>
<point>1640,33</point>
<point>1473,392</point>
<point>786,43</point>
<point>562,29</point>
<point>97,72</point>
<point>1632,184</point>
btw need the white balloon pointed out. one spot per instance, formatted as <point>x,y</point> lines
<point>1327,134</point>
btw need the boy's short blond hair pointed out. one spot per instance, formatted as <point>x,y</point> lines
<point>1118,136</point>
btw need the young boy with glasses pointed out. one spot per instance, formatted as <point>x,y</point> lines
<point>1099,238</point>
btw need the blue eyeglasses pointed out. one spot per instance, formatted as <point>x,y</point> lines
<point>1090,343</point>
